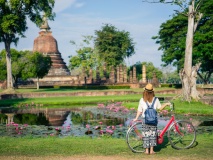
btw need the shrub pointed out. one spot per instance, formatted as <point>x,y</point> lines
<point>56,87</point>
<point>172,85</point>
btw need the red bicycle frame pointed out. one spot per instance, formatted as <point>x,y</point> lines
<point>160,137</point>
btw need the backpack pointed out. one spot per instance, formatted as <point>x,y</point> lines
<point>151,114</point>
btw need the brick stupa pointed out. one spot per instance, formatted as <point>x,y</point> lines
<point>45,43</point>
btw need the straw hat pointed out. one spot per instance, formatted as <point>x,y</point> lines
<point>149,88</point>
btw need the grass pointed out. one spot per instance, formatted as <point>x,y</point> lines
<point>70,146</point>
<point>86,146</point>
<point>194,108</point>
<point>63,90</point>
<point>129,101</point>
<point>72,100</point>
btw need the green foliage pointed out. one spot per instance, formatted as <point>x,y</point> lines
<point>13,23</point>
<point>76,118</point>
<point>3,66</point>
<point>14,13</point>
<point>111,48</point>
<point>113,45</point>
<point>19,61</point>
<point>25,65</point>
<point>56,87</point>
<point>38,66</point>
<point>150,69</point>
<point>169,75</point>
<point>3,116</point>
<point>171,85</point>
<point>172,37</point>
<point>31,119</point>
<point>181,3</point>
<point>86,57</point>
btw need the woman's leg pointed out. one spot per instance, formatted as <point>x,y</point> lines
<point>147,151</point>
<point>146,135</point>
<point>152,150</point>
<point>153,138</point>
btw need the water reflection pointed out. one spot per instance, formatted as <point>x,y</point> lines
<point>112,120</point>
<point>91,121</point>
<point>34,116</point>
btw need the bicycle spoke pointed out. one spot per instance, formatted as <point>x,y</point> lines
<point>134,138</point>
<point>136,144</point>
<point>182,135</point>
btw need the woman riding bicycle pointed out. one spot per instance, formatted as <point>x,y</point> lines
<point>149,132</point>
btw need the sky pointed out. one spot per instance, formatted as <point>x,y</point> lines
<point>77,18</point>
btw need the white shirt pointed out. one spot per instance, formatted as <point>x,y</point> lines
<point>143,106</point>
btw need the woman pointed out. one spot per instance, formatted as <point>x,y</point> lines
<point>149,132</point>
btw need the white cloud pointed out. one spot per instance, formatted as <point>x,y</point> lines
<point>67,26</point>
<point>72,27</point>
<point>61,5</point>
<point>79,5</point>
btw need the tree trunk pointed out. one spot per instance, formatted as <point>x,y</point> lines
<point>188,75</point>
<point>37,83</point>
<point>194,93</point>
<point>9,66</point>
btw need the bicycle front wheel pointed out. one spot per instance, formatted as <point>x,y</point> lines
<point>182,135</point>
<point>134,138</point>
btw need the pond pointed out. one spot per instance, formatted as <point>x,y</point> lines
<point>96,121</point>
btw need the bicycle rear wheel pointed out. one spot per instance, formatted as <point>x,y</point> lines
<point>182,135</point>
<point>134,138</point>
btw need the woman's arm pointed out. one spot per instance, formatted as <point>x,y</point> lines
<point>137,115</point>
<point>164,105</point>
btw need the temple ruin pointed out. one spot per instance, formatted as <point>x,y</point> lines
<point>45,43</point>
<point>59,74</point>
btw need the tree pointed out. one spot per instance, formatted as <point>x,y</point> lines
<point>172,41</point>
<point>13,23</point>
<point>171,37</point>
<point>113,46</point>
<point>150,69</point>
<point>188,74</point>
<point>37,67</point>
<point>203,42</point>
<point>19,60</point>
<point>169,75</point>
<point>110,48</point>
<point>3,67</point>
<point>86,57</point>
<point>25,64</point>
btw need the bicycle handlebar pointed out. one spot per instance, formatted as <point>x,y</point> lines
<point>172,106</point>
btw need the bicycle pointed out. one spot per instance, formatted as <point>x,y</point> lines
<point>181,134</point>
